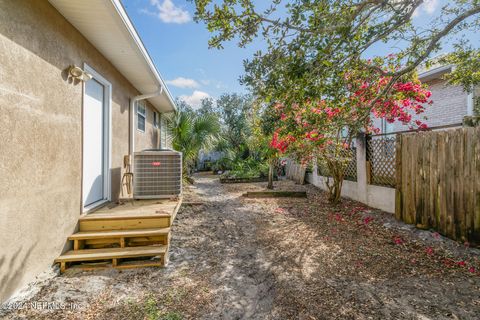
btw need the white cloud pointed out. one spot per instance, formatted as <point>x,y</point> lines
<point>168,12</point>
<point>181,82</point>
<point>429,7</point>
<point>195,99</point>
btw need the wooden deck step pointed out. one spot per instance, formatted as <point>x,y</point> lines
<point>108,234</point>
<point>121,238</point>
<point>113,254</point>
<point>123,216</point>
<point>104,222</point>
<point>142,214</point>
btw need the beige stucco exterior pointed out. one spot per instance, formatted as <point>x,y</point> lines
<point>41,136</point>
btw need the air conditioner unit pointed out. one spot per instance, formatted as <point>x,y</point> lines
<point>157,174</point>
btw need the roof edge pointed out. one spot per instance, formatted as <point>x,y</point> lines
<point>138,41</point>
<point>435,72</point>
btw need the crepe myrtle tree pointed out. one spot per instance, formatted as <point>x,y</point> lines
<point>323,128</point>
<point>311,41</point>
<point>264,120</point>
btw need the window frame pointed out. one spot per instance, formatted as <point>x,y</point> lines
<point>141,115</point>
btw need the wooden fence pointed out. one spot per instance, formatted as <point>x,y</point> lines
<point>438,182</point>
<point>295,171</point>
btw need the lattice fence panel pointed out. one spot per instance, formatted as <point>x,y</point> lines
<point>351,170</point>
<point>381,157</point>
<point>349,155</point>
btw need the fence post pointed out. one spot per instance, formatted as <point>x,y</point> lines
<point>398,182</point>
<point>361,143</point>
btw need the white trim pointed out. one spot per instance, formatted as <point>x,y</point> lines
<point>107,151</point>
<point>470,104</point>
<point>435,72</point>
<point>91,207</point>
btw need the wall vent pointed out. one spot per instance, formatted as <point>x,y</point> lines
<point>158,174</point>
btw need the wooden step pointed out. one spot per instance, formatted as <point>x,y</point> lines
<point>83,235</point>
<point>104,222</point>
<point>122,238</point>
<point>113,254</point>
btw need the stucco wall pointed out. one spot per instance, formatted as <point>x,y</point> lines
<point>382,198</point>
<point>449,106</point>
<point>150,138</point>
<point>41,129</point>
<point>379,197</point>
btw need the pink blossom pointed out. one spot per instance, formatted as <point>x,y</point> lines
<point>398,240</point>
<point>367,220</point>
<point>280,210</point>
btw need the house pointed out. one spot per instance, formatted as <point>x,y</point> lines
<point>78,92</point>
<point>450,103</point>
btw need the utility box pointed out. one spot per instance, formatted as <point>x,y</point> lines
<point>157,174</point>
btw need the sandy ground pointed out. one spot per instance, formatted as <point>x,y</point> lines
<point>239,258</point>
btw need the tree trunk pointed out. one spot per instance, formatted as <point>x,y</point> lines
<point>336,190</point>
<point>337,172</point>
<point>270,175</point>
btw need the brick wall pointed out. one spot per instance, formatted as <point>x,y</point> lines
<point>449,106</point>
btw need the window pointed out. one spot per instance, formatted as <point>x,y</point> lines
<point>156,120</point>
<point>141,116</point>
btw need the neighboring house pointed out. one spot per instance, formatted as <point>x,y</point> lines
<point>206,159</point>
<point>450,103</point>
<point>64,139</point>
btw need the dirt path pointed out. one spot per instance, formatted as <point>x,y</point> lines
<point>237,258</point>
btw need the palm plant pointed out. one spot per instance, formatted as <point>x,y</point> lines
<point>191,133</point>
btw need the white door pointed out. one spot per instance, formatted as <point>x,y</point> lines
<point>94,174</point>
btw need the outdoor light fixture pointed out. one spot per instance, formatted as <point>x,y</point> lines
<point>77,73</point>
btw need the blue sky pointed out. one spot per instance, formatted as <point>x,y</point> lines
<point>179,48</point>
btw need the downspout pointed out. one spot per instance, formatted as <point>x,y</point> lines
<point>127,178</point>
<point>133,101</point>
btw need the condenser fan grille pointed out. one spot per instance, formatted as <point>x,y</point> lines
<point>158,174</point>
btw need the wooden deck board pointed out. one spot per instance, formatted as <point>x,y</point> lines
<point>112,253</point>
<point>121,265</point>
<point>138,207</point>
<point>141,214</point>
<point>134,209</point>
<point>119,233</point>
